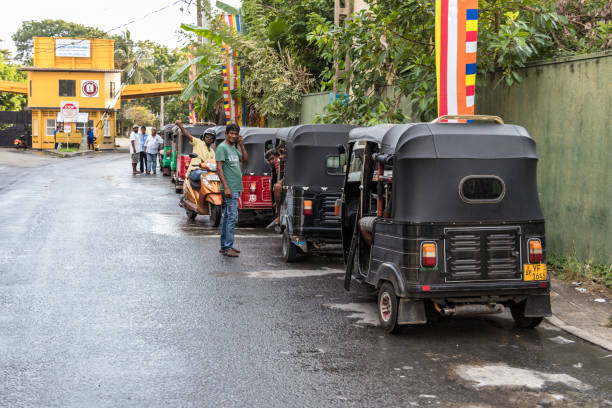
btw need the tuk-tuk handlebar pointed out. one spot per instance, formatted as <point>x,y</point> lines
<point>382,158</point>
<point>483,118</point>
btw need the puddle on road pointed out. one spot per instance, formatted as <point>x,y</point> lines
<point>501,375</point>
<point>279,273</point>
<point>365,313</point>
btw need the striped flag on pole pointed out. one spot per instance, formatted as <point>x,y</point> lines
<point>456,45</point>
<point>231,75</point>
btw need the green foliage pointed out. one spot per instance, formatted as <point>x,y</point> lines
<point>48,28</point>
<point>391,45</point>
<point>569,267</point>
<point>139,115</point>
<point>9,72</point>
<point>285,26</point>
<point>137,56</point>
<point>273,83</point>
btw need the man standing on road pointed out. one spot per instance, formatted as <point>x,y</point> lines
<point>228,164</point>
<point>203,147</point>
<point>91,138</point>
<point>151,149</point>
<point>135,148</point>
<point>143,140</point>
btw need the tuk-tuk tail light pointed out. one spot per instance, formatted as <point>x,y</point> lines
<point>253,187</point>
<point>535,251</point>
<point>307,207</point>
<point>429,254</point>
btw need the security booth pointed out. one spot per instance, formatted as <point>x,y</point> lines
<point>443,219</point>
<point>313,177</point>
<point>73,85</point>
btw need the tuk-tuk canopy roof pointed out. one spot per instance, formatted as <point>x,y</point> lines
<point>315,135</point>
<point>370,133</point>
<point>258,135</point>
<point>449,140</point>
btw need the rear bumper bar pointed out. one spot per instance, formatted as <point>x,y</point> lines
<point>498,288</point>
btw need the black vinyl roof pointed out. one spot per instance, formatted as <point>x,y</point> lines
<point>258,135</point>
<point>315,135</point>
<point>449,140</point>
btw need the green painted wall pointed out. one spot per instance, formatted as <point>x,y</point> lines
<point>566,105</point>
<point>313,104</point>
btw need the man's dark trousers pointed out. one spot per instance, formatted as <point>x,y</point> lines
<point>143,159</point>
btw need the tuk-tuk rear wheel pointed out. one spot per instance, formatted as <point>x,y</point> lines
<point>288,250</point>
<point>518,314</point>
<point>387,308</point>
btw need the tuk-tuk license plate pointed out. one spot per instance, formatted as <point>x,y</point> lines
<point>534,272</point>
<point>212,177</point>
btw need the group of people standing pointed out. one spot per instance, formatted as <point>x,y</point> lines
<point>144,149</point>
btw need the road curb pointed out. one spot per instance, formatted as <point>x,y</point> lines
<point>581,333</point>
<point>64,155</point>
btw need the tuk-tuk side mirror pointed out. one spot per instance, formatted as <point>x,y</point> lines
<point>193,155</point>
<point>341,149</point>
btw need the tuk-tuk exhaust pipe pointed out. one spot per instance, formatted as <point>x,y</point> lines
<point>468,310</point>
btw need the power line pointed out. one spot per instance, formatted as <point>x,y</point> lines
<point>118,27</point>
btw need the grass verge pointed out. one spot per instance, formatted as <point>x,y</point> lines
<point>69,150</point>
<point>571,268</point>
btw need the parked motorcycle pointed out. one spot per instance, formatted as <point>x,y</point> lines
<point>20,142</point>
<point>202,192</point>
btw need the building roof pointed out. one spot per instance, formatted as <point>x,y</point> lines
<point>53,69</point>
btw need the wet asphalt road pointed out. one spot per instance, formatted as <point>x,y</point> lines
<point>109,297</point>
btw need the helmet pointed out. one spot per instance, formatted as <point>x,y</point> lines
<point>209,132</point>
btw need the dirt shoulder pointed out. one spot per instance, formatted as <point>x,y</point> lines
<point>585,311</point>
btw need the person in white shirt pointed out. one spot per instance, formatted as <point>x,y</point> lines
<point>135,148</point>
<point>151,149</point>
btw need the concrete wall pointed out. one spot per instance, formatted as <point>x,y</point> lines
<point>566,105</point>
<point>312,105</point>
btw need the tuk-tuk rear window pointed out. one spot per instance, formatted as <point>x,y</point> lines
<point>482,189</point>
<point>335,164</point>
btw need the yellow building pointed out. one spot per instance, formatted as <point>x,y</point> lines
<point>73,83</point>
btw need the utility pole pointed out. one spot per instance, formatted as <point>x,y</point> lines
<point>161,106</point>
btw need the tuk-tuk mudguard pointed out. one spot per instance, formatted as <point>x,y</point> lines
<point>388,272</point>
<point>411,311</point>
<point>538,306</point>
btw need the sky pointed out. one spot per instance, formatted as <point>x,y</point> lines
<point>160,27</point>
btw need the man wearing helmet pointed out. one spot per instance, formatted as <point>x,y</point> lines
<point>203,147</point>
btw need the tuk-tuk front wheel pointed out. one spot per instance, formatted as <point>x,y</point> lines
<point>518,314</point>
<point>387,308</point>
<point>289,251</point>
<point>215,215</point>
<point>190,214</point>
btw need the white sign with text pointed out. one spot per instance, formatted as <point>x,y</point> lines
<point>67,47</point>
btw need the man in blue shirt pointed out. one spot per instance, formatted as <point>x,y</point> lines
<point>90,139</point>
<point>143,156</point>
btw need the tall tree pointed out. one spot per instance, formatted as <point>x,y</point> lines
<point>128,56</point>
<point>49,28</point>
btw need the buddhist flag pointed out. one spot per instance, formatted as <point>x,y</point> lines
<point>232,76</point>
<point>456,40</point>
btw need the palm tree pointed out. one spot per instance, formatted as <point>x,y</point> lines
<point>128,58</point>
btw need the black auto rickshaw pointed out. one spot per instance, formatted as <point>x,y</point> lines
<point>313,176</point>
<point>256,199</point>
<point>444,219</point>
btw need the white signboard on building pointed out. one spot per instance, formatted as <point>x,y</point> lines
<point>69,111</point>
<point>90,88</point>
<point>67,47</point>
